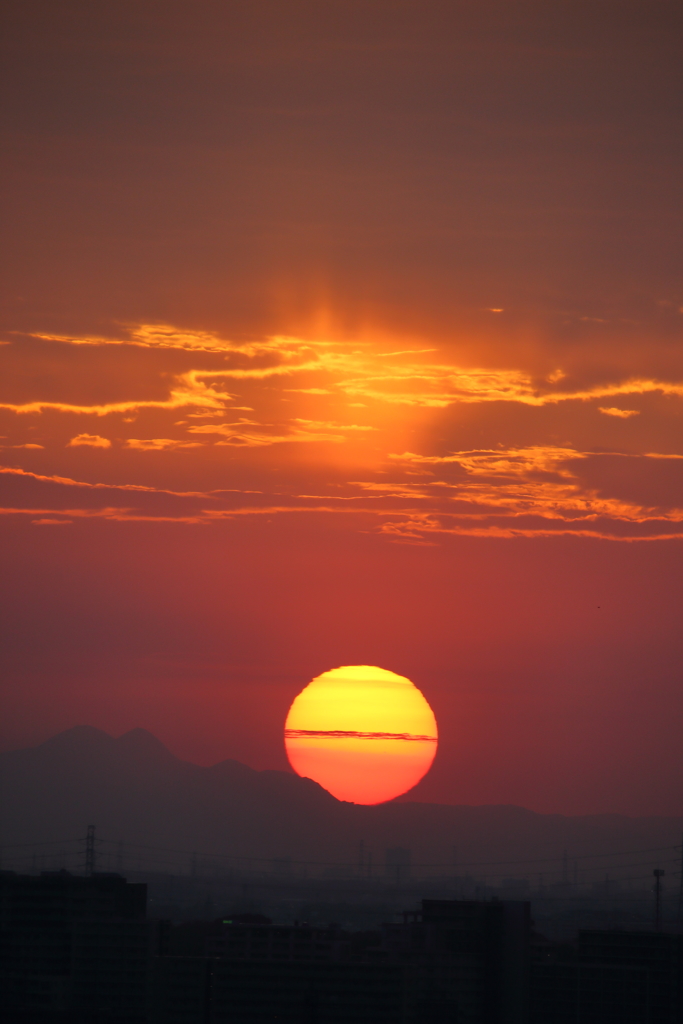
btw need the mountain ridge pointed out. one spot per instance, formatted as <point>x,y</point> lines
<point>138,791</point>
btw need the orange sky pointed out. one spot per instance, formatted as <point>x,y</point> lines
<point>349,334</point>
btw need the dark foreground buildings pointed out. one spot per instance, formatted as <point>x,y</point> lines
<point>80,951</point>
<point>452,962</point>
<point>609,977</point>
<point>73,949</point>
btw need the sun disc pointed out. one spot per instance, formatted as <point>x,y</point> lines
<point>363,733</point>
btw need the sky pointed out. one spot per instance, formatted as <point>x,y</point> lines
<point>348,333</point>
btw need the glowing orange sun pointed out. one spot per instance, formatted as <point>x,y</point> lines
<point>365,734</point>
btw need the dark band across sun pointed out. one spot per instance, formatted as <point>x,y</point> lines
<point>291,734</point>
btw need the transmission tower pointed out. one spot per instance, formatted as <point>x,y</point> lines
<point>658,898</point>
<point>679,914</point>
<point>90,851</point>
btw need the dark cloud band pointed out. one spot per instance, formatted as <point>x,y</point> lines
<point>303,734</point>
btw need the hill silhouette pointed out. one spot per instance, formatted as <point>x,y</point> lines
<point>135,790</point>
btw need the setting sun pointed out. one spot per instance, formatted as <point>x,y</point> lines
<point>365,734</point>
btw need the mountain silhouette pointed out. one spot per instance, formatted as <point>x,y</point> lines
<point>136,791</point>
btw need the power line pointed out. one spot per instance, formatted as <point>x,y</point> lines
<point>220,858</point>
<point>48,842</point>
<point>436,864</point>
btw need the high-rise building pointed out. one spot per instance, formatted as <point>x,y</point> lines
<point>73,949</point>
<point>469,960</point>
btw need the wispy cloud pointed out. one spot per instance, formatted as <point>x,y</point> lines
<point>533,491</point>
<point>112,514</point>
<point>330,425</point>
<point>296,392</point>
<point>161,336</point>
<point>623,414</point>
<point>250,434</point>
<point>367,369</point>
<point>536,483</point>
<point>188,390</point>
<point>159,444</point>
<point>65,481</point>
<point>92,440</point>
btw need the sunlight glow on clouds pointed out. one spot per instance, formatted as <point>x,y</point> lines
<point>623,414</point>
<point>434,488</point>
<point>158,444</point>
<point>93,440</point>
<point>359,369</point>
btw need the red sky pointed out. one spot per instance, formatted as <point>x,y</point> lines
<point>349,333</point>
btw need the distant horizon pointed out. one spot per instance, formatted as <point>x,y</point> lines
<point>148,810</point>
<point>404,798</point>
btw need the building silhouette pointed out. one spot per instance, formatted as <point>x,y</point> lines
<point>79,950</point>
<point>609,977</point>
<point>461,961</point>
<point>73,949</point>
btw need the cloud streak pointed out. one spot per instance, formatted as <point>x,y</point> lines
<point>507,492</point>
<point>358,369</point>
<point>262,408</point>
<point>91,440</point>
<point>189,390</point>
<point>65,481</point>
<point>299,734</point>
<point>623,414</point>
